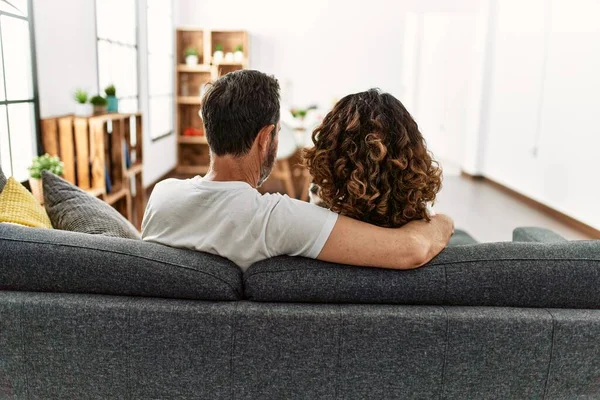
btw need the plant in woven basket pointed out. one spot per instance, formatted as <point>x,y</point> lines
<point>39,164</point>
<point>99,104</point>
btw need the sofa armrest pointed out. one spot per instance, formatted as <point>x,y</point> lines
<point>539,235</point>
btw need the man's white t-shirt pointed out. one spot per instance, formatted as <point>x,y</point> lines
<point>233,220</point>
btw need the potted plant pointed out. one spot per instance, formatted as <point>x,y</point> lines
<point>111,99</point>
<point>238,56</point>
<point>191,56</point>
<point>39,164</point>
<point>99,104</point>
<point>218,54</point>
<point>82,108</point>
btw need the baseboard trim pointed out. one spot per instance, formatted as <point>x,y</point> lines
<point>551,212</point>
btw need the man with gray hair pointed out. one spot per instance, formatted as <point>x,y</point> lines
<point>222,213</point>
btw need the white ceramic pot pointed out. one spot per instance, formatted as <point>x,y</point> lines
<point>238,56</point>
<point>84,110</point>
<point>229,56</point>
<point>191,60</point>
<point>217,56</point>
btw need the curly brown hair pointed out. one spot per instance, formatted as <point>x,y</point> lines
<point>371,162</point>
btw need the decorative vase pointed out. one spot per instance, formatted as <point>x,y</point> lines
<point>217,56</point>
<point>37,189</point>
<point>112,104</point>
<point>238,56</point>
<point>191,60</point>
<point>100,110</point>
<point>229,56</point>
<point>83,110</point>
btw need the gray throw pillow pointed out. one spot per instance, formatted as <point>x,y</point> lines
<point>2,180</point>
<point>72,209</point>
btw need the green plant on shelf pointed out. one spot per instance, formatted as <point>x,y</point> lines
<point>239,47</point>
<point>110,90</point>
<point>80,96</point>
<point>98,100</point>
<point>218,47</point>
<point>190,51</point>
<point>46,163</point>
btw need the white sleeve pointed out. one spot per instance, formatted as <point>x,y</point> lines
<point>297,228</point>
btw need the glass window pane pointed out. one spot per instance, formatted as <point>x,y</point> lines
<point>17,58</point>
<point>161,116</point>
<point>18,7</point>
<point>128,106</point>
<point>22,132</point>
<point>104,65</point>
<point>160,74</point>
<point>2,93</point>
<point>4,143</point>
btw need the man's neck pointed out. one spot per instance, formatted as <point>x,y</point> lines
<point>238,169</point>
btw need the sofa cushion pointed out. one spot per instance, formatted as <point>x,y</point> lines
<point>2,179</point>
<point>18,206</point>
<point>72,209</point>
<point>58,261</point>
<point>560,275</point>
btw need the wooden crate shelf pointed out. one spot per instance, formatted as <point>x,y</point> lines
<point>192,170</point>
<point>193,69</point>
<point>97,147</point>
<point>193,155</point>
<point>193,100</point>
<point>192,139</point>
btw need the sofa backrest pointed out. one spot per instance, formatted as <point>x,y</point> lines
<point>510,274</point>
<point>46,260</point>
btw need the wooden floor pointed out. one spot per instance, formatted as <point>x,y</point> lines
<point>489,214</point>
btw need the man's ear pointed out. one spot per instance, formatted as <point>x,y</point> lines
<point>264,136</point>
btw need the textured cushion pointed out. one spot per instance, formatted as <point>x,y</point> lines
<point>2,180</point>
<point>72,209</point>
<point>540,235</point>
<point>18,206</point>
<point>561,275</point>
<point>59,261</point>
<point>461,238</point>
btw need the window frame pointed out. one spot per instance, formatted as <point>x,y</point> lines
<point>173,89</point>
<point>115,42</point>
<point>35,99</point>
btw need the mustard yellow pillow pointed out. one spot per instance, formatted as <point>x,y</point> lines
<point>18,206</point>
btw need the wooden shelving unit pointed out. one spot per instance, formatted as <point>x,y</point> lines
<point>193,157</point>
<point>102,155</point>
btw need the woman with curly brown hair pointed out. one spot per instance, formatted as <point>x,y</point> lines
<point>371,163</point>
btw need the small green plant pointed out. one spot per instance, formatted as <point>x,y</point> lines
<point>190,51</point>
<point>299,113</point>
<point>46,163</point>
<point>218,47</point>
<point>110,90</point>
<point>98,100</point>
<point>81,96</point>
<point>239,47</point>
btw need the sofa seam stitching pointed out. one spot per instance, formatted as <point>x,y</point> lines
<point>433,265</point>
<point>129,255</point>
<point>551,355</point>
<point>445,353</point>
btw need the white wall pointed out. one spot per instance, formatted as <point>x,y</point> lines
<point>65,33</point>
<point>544,133</point>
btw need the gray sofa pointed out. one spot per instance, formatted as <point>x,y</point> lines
<point>89,317</point>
